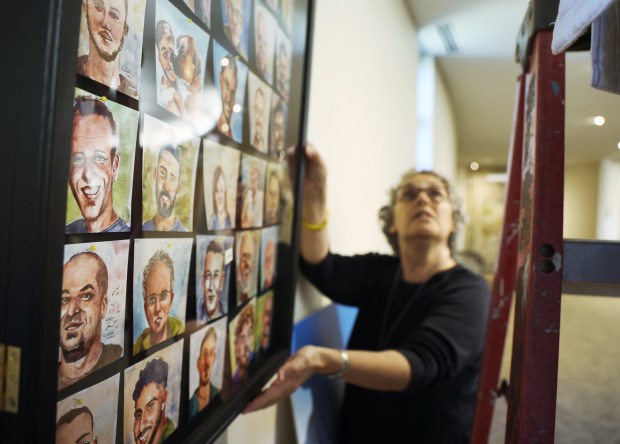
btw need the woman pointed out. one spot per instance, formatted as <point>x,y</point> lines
<point>247,209</point>
<point>220,219</point>
<point>414,353</point>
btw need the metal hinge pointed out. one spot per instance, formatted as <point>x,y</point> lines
<point>10,358</point>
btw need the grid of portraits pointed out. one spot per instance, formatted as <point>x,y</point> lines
<point>175,201</point>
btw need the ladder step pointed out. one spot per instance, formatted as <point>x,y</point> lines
<point>591,267</point>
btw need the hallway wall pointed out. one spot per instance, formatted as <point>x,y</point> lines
<point>362,119</point>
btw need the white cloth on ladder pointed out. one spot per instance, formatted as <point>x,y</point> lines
<point>606,50</point>
<point>574,18</point>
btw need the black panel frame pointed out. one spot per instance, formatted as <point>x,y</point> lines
<point>37,84</point>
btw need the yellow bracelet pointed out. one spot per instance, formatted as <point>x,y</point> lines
<point>314,227</point>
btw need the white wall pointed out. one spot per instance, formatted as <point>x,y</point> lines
<point>608,222</point>
<point>580,192</point>
<point>444,134</point>
<point>362,120</point>
<point>362,111</point>
<point>436,138</point>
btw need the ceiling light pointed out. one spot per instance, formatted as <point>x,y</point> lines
<point>236,108</point>
<point>599,120</point>
<point>619,145</point>
<point>474,166</point>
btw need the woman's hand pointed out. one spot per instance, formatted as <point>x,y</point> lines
<point>295,371</point>
<point>384,371</point>
<point>315,181</point>
<point>316,171</point>
<point>313,243</point>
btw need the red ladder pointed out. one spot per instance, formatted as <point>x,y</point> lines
<point>531,261</point>
<point>538,262</point>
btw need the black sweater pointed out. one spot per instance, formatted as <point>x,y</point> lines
<point>438,326</point>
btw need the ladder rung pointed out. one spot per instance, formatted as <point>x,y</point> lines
<point>591,267</point>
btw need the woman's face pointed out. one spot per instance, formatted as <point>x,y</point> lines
<point>220,194</point>
<point>423,209</point>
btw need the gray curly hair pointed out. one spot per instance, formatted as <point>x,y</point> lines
<point>386,213</point>
<point>165,259</point>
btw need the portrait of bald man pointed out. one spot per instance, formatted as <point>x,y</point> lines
<point>90,415</point>
<point>87,291</point>
<point>76,426</point>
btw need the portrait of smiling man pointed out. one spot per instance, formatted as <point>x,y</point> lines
<point>283,64</point>
<point>151,425</point>
<point>206,391</point>
<point>264,41</point>
<point>95,162</point>
<point>273,195</point>
<point>247,244</point>
<point>228,88</point>
<point>214,278</point>
<point>242,341</point>
<point>268,257</point>
<point>253,197</point>
<point>158,295</point>
<point>230,74</point>
<point>258,111</point>
<point>166,178</point>
<point>278,126</point>
<point>266,314</point>
<point>235,24</point>
<point>106,23</point>
<point>83,306</point>
<point>259,97</point>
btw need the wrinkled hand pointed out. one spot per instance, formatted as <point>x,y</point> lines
<point>314,199</point>
<point>315,171</point>
<point>295,371</point>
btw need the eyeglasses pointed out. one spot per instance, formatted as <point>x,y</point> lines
<point>152,298</point>
<point>208,353</point>
<point>410,193</point>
